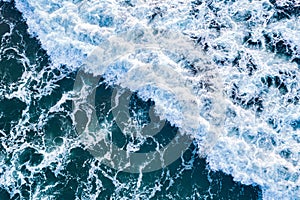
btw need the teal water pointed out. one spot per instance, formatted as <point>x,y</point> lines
<point>29,131</point>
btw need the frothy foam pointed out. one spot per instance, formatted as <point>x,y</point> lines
<point>260,140</point>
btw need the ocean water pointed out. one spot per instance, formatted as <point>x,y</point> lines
<point>132,99</point>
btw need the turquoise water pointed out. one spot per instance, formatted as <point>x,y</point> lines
<point>224,73</point>
<point>35,176</point>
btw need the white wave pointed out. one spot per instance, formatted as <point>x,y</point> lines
<point>249,148</point>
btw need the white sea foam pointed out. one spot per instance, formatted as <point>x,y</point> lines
<point>249,148</point>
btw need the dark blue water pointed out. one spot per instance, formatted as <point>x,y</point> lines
<point>253,48</point>
<point>26,171</point>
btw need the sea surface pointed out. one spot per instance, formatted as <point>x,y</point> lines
<point>132,99</point>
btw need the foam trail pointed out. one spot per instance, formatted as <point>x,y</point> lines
<point>255,51</point>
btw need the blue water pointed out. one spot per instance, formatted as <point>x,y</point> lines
<point>95,93</point>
